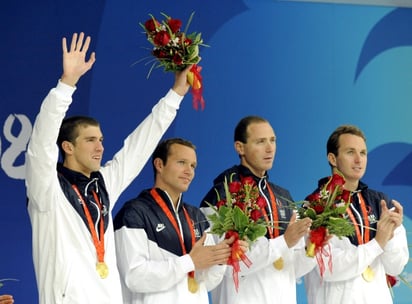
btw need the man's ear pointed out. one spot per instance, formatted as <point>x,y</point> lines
<point>158,164</point>
<point>239,148</point>
<point>332,159</point>
<point>67,147</point>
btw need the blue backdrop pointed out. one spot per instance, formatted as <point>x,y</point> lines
<point>307,67</point>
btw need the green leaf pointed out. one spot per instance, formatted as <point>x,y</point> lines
<point>240,219</point>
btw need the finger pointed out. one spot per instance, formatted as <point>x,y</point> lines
<point>73,43</point>
<point>396,218</point>
<point>201,241</point>
<point>292,218</point>
<point>228,241</point>
<point>92,59</point>
<point>86,44</point>
<point>203,238</point>
<point>64,45</point>
<point>398,207</point>
<point>80,42</point>
<point>384,207</point>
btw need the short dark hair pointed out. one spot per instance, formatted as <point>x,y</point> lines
<point>241,127</point>
<point>332,146</point>
<point>69,129</point>
<point>162,150</point>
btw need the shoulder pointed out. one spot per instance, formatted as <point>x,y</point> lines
<point>193,210</point>
<point>217,191</point>
<point>197,216</point>
<point>281,191</point>
<point>132,213</point>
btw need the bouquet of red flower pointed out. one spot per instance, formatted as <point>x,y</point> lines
<point>239,215</point>
<point>174,50</point>
<point>327,209</point>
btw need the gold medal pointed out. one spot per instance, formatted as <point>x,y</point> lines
<point>102,269</point>
<point>278,264</point>
<point>368,275</point>
<point>192,284</point>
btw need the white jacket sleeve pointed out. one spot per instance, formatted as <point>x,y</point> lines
<point>143,266</point>
<point>396,253</point>
<point>213,275</point>
<point>139,145</point>
<point>42,151</point>
<point>348,260</point>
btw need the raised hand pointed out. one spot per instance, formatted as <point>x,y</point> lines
<point>181,85</point>
<point>74,60</point>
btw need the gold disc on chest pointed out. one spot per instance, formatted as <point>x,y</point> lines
<point>279,264</point>
<point>102,269</point>
<point>368,275</point>
<point>192,284</point>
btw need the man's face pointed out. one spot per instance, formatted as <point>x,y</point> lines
<point>352,157</point>
<point>258,153</point>
<point>175,176</point>
<point>86,154</point>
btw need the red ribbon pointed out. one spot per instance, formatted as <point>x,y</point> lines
<point>197,87</point>
<point>236,255</point>
<point>318,237</point>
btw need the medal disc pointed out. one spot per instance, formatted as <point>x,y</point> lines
<point>368,275</point>
<point>278,264</point>
<point>192,285</point>
<point>102,269</point>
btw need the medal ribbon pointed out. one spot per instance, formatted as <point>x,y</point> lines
<point>362,236</point>
<point>98,244</point>
<point>273,231</point>
<point>172,220</point>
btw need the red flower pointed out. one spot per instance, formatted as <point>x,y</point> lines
<point>345,195</point>
<point>261,202</point>
<point>240,204</point>
<point>159,53</point>
<point>255,214</point>
<point>151,25</point>
<point>248,180</point>
<point>336,180</point>
<point>177,59</point>
<point>235,186</point>
<point>174,24</point>
<point>162,38</point>
<point>313,197</point>
<point>220,203</point>
<point>319,208</point>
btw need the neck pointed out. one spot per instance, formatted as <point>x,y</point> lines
<point>351,185</point>
<point>174,197</point>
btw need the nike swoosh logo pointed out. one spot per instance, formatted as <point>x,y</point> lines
<point>160,227</point>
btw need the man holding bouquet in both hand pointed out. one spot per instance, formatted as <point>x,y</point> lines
<point>278,258</point>
<point>378,247</point>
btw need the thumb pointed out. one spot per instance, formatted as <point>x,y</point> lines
<point>384,207</point>
<point>292,218</point>
<point>202,240</point>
